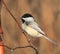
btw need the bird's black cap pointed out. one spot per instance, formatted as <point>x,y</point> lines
<point>27,15</point>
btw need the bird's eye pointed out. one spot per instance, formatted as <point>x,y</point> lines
<point>23,20</point>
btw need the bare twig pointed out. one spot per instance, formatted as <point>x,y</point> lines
<point>20,47</point>
<point>14,18</point>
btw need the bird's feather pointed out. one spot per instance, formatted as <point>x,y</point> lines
<point>35,26</point>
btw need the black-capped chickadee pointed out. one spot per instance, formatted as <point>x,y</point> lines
<point>32,28</point>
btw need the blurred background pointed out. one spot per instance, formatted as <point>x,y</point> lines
<point>46,13</point>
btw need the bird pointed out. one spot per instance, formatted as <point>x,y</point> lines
<point>30,26</point>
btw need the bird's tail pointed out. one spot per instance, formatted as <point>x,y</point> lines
<point>50,40</point>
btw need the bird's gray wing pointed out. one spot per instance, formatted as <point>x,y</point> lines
<point>35,26</point>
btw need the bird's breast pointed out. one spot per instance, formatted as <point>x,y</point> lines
<point>31,31</point>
